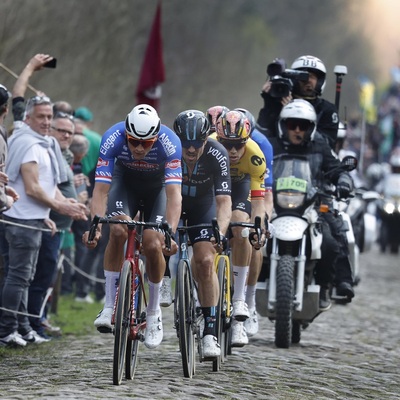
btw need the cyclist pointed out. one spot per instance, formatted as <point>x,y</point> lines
<point>206,193</point>
<point>247,167</point>
<point>139,162</point>
<point>251,324</point>
<point>212,115</point>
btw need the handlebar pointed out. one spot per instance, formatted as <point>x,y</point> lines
<point>164,227</point>
<point>256,226</point>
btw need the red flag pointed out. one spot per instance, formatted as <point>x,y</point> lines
<point>152,74</point>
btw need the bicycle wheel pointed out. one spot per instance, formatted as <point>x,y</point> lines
<point>132,348</point>
<point>122,322</point>
<point>185,309</point>
<point>229,309</point>
<point>221,311</point>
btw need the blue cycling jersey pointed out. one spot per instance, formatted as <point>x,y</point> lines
<point>266,148</point>
<point>162,162</point>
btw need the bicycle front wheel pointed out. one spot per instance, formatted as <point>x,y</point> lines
<point>185,309</point>
<point>132,348</point>
<point>221,311</point>
<point>122,321</point>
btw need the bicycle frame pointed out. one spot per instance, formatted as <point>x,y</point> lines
<point>132,254</point>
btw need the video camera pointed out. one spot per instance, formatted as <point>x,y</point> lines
<point>283,79</point>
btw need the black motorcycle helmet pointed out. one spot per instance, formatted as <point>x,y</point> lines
<point>191,125</point>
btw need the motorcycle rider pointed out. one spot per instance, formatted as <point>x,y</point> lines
<point>327,125</point>
<point>297,134</point>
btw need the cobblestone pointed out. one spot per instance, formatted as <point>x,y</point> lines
<point>349,352</point>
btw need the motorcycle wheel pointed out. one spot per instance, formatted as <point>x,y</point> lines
<point>284,302</point>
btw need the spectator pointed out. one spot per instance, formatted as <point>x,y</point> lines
<point>7,194</point>
<point>78,148</point>
<point>84,121</point>
<point>62,129</point>
<point>63,106</point>
<point>36,167</point>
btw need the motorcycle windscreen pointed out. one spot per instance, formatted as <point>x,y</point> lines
<point>292,181</point>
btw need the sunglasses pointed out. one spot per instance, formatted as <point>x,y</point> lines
<point>36,100</point>
<point>195,143</point>
<point>230,144</point>
<point>293,123</point>
<point>62,131</point>
<point>61,114</point>
<point>145,143</point>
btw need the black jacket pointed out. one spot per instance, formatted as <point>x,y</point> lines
<point>321,157</point>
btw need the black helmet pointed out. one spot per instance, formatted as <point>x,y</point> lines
<point>192,125</point>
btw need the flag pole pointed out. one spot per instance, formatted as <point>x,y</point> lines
<point>152,73</point>
<point>16,77</point>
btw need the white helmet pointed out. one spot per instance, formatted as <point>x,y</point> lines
<point>142,122</point>
<point>298,109</point>
<point>315,65</point>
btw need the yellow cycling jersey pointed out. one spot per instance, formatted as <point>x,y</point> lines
<point>252,163</point>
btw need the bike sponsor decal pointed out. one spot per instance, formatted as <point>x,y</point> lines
<point>222,160</point>
<point>257,160</point>
<point>102,163</point>
<point>168,146</point>
<point>173,164</point>
<point>109,143</point>
<point>291,183</point>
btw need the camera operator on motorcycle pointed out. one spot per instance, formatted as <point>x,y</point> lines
<point>310,88</point>
<point>297,135</point>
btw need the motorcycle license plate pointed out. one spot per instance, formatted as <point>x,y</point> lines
<point>291,183</point>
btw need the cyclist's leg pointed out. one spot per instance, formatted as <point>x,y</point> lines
<point>202,210</point>
<point>155,205</point>
<point>118,206</point>
<point>240,257</point>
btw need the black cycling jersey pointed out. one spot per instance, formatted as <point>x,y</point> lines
<point>210,174</point>
<point>210,177</point>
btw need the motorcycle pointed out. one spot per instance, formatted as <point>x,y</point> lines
<point>295,249</point>
<point>388,212</point>
<point>359,213</point>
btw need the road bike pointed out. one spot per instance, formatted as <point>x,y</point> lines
<point>188,318</point>
<point>225,278</point>
<point>129,315</point>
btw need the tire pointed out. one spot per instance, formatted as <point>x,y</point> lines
<point>221,311</point>
<point>185,309</point>
<point>284,302</point>
<point>228,317</point>
<point>296,331</point>
<point>132,348</point>
<point>122,315</point>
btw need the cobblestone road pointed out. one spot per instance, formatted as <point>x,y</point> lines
<point>350,352</point>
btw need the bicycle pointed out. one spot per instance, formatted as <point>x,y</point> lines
<point>225,278</point>
<point>187,318</point>
<point>129,317</point>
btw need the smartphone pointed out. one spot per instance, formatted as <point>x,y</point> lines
<point>51,64</point>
